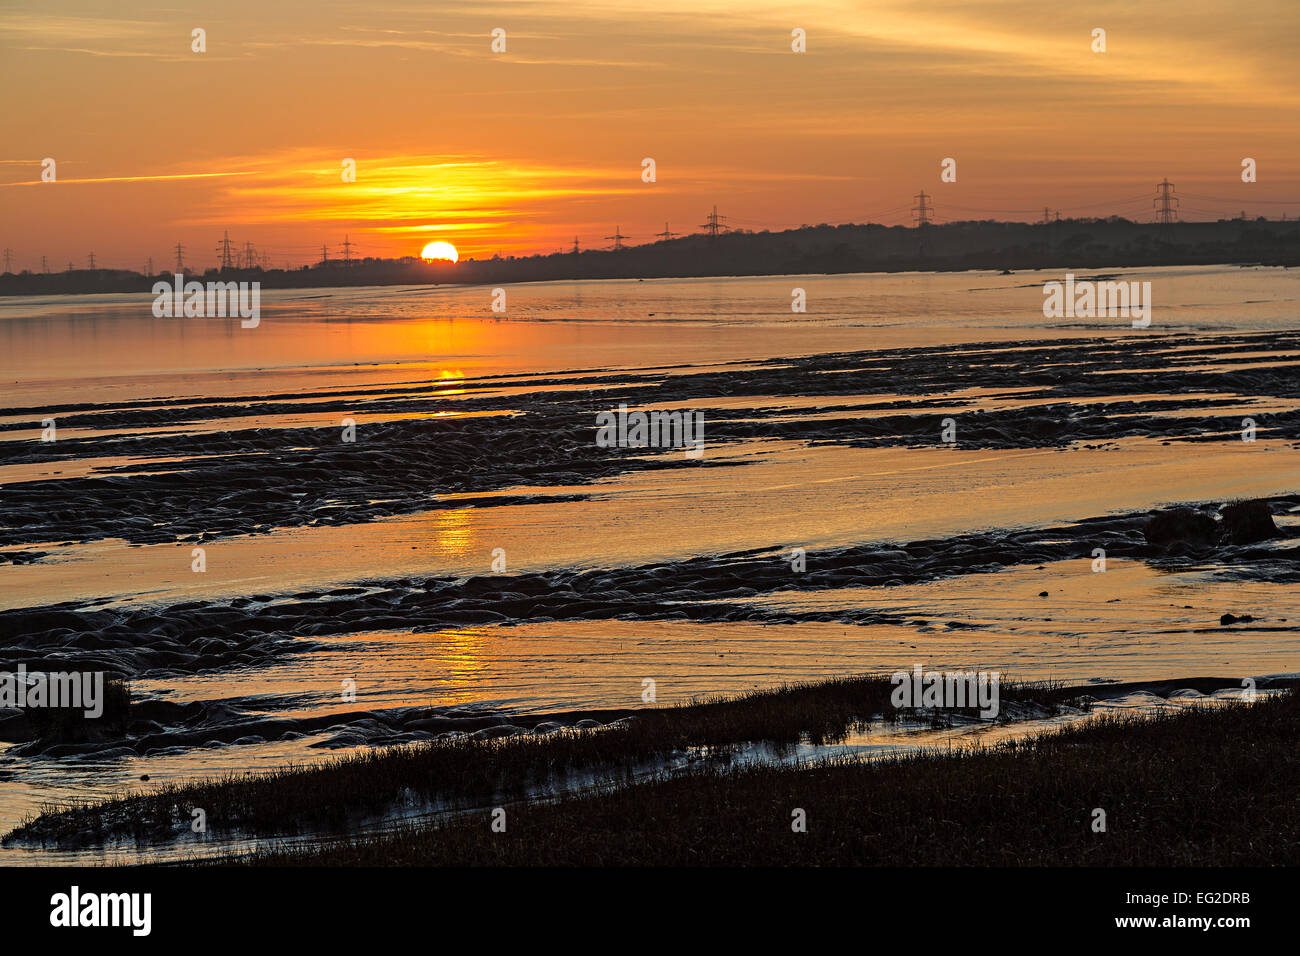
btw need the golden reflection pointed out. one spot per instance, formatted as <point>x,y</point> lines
<point>455,659</point>
<point>452,530</point>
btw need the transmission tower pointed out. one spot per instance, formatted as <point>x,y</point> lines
<point>250,256</point>
<point>666,235</point>
<point>180,258</point>
<point>9,254</point>
<point>347,252</point>
<point>575,245</point>
<point>714,225</point>
<point>1165,203</point>
<point>921,212</point>
<point>324,254</point>
<point>618,238</point>
<point>92,260</point>
<point>44,268</point>
<point>227,260</point>
<point>148,269</point>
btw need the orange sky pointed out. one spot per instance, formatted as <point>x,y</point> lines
<point>520,151</point>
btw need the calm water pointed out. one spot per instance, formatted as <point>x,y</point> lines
<point>110,347</point>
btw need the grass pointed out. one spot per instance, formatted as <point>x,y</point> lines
<point>1208,786</point>
<point>332,796</point>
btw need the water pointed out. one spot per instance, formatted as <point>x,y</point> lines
<point>110,347</point>
<point>109,372</point>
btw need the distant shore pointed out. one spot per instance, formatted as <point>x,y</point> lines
<point>822,249</point>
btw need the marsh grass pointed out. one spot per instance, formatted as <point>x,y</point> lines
<point>333,795</point>
<point>1206,786</point>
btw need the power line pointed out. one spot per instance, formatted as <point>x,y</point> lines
<point>1279,202</point>
<point>1107,202</point>
<point>877,216</point>
<point>986,209</point>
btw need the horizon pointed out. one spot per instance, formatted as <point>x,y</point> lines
<point>338,262</point>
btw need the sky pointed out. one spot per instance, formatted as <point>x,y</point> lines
<point>521,151</point>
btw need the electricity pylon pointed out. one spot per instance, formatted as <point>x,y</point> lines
<point>714,225</point>
<point>618,238</point>
<point>921,212</point>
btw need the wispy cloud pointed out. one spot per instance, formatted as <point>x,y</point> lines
<point>124,179</point>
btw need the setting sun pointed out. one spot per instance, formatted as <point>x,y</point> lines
<point>439,250</point>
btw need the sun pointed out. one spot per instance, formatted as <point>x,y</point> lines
<point>439,250</point>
